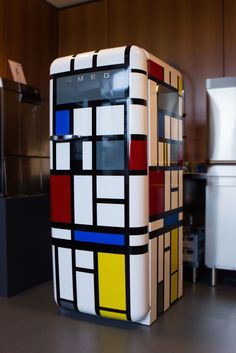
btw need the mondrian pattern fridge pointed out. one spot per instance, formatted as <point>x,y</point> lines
<point>116,183</point>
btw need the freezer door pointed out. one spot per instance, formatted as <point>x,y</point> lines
<point>221,101</point>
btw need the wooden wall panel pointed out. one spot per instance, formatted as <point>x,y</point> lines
<point>2,31</point>
<point>229,38</point>
<point>83,28</point>
<point>31,39</point>
<point>185,33</point>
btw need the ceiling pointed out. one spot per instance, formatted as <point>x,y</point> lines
<point>65,3</point>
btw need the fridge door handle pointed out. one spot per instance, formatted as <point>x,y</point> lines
<point>64,137</point>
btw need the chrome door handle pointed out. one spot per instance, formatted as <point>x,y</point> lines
<point>64,137</point>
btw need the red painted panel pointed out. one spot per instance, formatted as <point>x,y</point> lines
<point>138,155</point>
<point>156,192</point>
<point>155,70</point>
<point>60,198</point>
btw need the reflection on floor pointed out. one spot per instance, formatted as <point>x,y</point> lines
<point>203,321</point>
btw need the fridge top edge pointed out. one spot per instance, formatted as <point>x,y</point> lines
<point>221,82</point>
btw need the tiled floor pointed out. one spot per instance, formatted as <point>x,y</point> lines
<point>203,321</point>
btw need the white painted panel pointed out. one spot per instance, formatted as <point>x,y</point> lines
<point>51,155</point>
<point>166,75</point>
<point>138,196</point>
<point>110,120</point>
<point>111,56</point>
<point>83,199</point>
<point>174,179</point>
<point>84,259</point>
<point>180,177</point>
<point>83,121</point>
<point>54,274</point>
<point>138,122</point>
<point>110,187</point>
<point>138,240</point>
<point>59,233</point>
<point>111,215</point>
<point>63,156</point>
<point>167,239</point>
<point>180,272</point>
<point>51,108</point>
<point>87,155</point>
<point>167,281</point>
<point>180,130</point>
<point>138,86</point>
<point>174,199</point>
<point>60,65</point>
<point>160,258</point>
<point>180,106</point>
<point>85,292</point>
<point>139,291</point>
<point>180,188</point>
<point>84,60</point>
<point>174,79</point>
<point>167,126</point>
<point>65,273</point>
<point>156,224</point>
<point>168,154</point>
<point>138,58</point>
<point>174,129</point>
<point>152,122</point>
<point>161,154</point>
<point>153,278</point>
<point>167,190</point>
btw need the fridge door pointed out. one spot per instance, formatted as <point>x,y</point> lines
<point>99,210</point>
<point>220,217</point>
<point>221,101</point>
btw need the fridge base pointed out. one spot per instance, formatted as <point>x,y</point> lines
<point>101,319</point>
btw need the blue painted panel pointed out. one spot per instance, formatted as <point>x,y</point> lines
<point>63,122</point>
<point>171,219</point>
<point>161,133</point>
<point>100,238</point>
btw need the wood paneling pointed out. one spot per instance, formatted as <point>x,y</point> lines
<point>30,37</point>
<point>198,37</point>
<point>185,33</point>
<point>229,37</point>
<point>83,28</point>
<point>2,46</point>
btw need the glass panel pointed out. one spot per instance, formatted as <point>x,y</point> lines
<point>110,84</point>
<point>110,155</point>
<point>168,100</point>
<point>76,155</point>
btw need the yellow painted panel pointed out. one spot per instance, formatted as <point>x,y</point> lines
<point>111,281</point>
<point>174,287</point>
<point>165,154</point>
<point>180,85</point>
<point>174,250</point>
<point>113,315</point>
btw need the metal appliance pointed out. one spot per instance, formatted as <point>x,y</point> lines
<point>221,175</point>
<point>24,188</point>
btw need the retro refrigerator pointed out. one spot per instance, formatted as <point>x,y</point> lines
<point>221,175</point>
<point>116,183</point>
